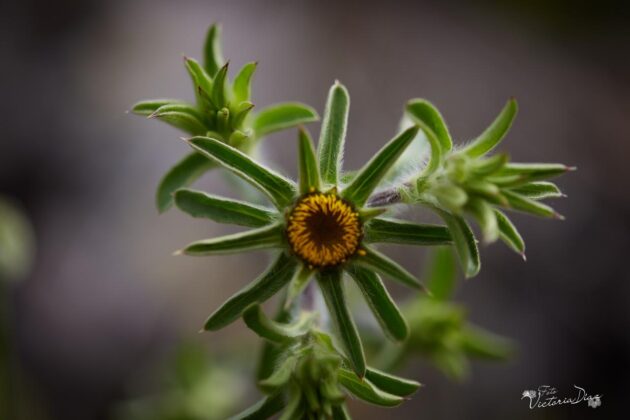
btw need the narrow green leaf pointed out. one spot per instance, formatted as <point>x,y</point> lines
<point>385,230</point>
<point>330,282</point>
<point>483,213</point>
<point>380,302</point>
<point>333,134</point>
<point>270,236</point>
<point>280,190</point>
<point>383,265</point>
<point>181,116</point>
<point>366,391</point>
<point>526,205</point>
<point>263,409</point>
<point>493,135</point>
<point>279,378</point>
<point>184,173</point>
<point>450,196</point>
<point>202,82</point>
<point>464,241</point>
<point>148,107</point>
<point>373,172</point>
<point>261,289</point>
<point>425,112</point>
<point>223,210</point>
<point>297,285</point>
<point>453,364</point>
<point>539,190</point>
<point>509,234</point>
<point>243,81</point>
<point>220,94</point>
<point>281,116</point>
<point>213,55</point>
<point>392,384</point>
<point>528,172</point>
<point>441,273</point>
<point>308,170</point>
<point>257,321</point>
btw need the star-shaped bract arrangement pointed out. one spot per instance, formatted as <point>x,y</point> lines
<point>223,111</point>
<point>321,228</point>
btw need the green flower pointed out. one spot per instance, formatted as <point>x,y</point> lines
<point>320,227</point>
<point>222,111</point>
<point>466,180</point>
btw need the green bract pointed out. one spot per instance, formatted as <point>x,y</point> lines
<point>222,111</point>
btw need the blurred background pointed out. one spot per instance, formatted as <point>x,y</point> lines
<point>105,305</point>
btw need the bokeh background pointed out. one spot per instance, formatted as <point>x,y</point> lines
<point>105,301</point>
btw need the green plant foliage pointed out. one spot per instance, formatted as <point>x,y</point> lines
<point>223,111</point>
<point>324,230</point>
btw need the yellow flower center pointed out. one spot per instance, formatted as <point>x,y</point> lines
<point>323,230</point>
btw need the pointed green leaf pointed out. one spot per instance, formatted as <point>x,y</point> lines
<point>453,364</point>
<point>202,82</point>
<point>297,285</point>
<point>212,52</point>
<point>366,391</point>
<point>509,234</point>
<point>308,170</point>
<point>484,214</point>
<point>243,81</point>
<point>219,91</point>
<point>464,241</point>
<point>294,409</point>
<point>281,116</point>
<point>392,384</point>
<point>270,236</point>
<point>539,190</point>
<point>184,173</point>
<point>333,134</point>
<point>425,112</point>
<point>526,205</point>
<point>330,282</point>
<point>380,302</point>
<point>441,273</point>
<point>280,190</point>
<point>385,230</point>
<point>493,135</point>
<point>373,172</point>
<point>383,265</point>
<point>223,210</point>
<point>181,116</point>
<point>261,289</point>
<point>263,409</point>
<point>148,107</point>
<point>528,172</point>
<point>257,321</point>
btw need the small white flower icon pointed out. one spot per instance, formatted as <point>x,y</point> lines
<point>594,402</point>
<point>530,393</point>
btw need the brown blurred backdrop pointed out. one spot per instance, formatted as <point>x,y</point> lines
<point>105,298</point>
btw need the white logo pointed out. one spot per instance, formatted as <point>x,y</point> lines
<point>547,396</point>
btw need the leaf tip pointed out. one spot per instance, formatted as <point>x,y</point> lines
<point>178,253</point>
